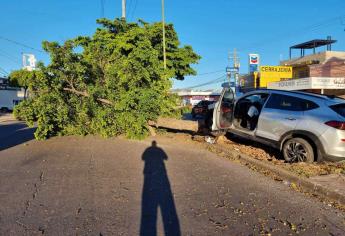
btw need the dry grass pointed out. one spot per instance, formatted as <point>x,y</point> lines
<point>264,153</point>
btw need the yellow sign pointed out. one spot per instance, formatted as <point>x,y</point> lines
<point>274,74</point>
<point>284,72</point>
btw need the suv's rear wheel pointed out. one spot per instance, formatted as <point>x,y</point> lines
<point>298,150</point>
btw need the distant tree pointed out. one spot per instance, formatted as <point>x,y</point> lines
<point>109,84</point>
<point>21,78</point>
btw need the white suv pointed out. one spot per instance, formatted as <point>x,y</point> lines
<point>304,126</point>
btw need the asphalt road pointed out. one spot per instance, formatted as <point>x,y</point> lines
<point>93,186</point>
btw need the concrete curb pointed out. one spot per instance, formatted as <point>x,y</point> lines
<point>302,182</point>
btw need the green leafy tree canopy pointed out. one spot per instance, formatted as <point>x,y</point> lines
<point>109,84</point>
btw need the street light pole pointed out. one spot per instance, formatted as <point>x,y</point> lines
<point>164,46</point>
<point>124,9</point>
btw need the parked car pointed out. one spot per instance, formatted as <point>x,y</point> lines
<point>201,108</point>
<point>305,127</point>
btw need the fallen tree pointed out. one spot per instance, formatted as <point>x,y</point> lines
<point>109,84</point>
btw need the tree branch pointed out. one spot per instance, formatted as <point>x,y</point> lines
<point>85,94</point>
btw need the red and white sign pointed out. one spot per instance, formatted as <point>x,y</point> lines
<point>254,59</point>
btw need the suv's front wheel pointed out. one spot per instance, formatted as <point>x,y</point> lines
<point>298,150</point>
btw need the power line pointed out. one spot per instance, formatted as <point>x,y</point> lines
<point>6,73</point>
<point>134,8</point>
<point>21,44</point>
<point>209,73</point>
<point>214,81</point>
<point>312,27</point>
<point>9,57</point>
<point>331,20</point>
<point>102,8</point>
<point>128,9</point>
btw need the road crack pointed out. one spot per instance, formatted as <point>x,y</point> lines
<point>37,186</point>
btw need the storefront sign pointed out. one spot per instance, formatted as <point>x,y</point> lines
<point>276,72</point>
<point>328,83</point>
<point>309,83</point>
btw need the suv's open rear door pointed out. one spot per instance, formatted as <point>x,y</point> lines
<point>223,112</point>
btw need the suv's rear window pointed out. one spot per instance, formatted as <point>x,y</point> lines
<point>339,108</point>
<point>289,103</point>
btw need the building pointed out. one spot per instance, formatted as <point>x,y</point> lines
<point>3,82</point>
<point>327,64</point>
<point>319,72</point>
<point>9,96</point>
<point>190,97</point>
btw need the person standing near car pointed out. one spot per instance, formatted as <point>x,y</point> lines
<point>253,114</point>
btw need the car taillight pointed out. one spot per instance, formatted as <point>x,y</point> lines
<point>226,109</point>
<point>336,124</point>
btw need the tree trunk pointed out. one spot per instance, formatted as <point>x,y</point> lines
<point>25,91</point>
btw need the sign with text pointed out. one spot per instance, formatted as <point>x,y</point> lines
<point>276,72</point>
<point>309,83</point>
<point>328,83</point>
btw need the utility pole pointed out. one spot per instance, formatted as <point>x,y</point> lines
<point>228,68</point>
<point>164,46</point>
<point>236,69</point>
<point>124,9</point>
<point>233,70</point>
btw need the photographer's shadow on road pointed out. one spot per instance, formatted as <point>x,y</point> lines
<point>157,194</point>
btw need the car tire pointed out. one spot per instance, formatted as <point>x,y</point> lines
<point>319,156</point>
<point>298,150</point>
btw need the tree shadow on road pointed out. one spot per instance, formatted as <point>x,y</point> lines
<point>13,134</point>
<point>157,194</point>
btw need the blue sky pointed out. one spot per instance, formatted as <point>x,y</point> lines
<point>211,27</point>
